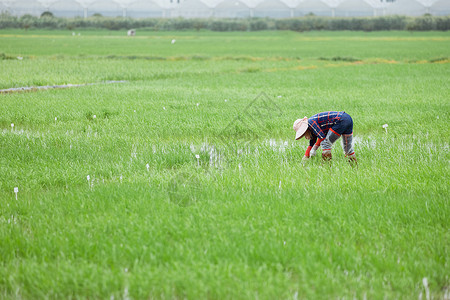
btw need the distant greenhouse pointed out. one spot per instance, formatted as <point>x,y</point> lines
<point>226,8</point>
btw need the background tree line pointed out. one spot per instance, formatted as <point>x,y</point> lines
<point>306,23</point>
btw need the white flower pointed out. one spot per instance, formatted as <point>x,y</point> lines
<point>173,41</point>
<point>164,107</point>
<point>16,190</point>
<point>94,116</point>
<point>279,96</point>
<point>88,177</point>
<point>198,104</point>
<point>385,126</point>
<point>12,125</point>
<point>19,57</point>
<point>197,156</point>
<point>56,118</point>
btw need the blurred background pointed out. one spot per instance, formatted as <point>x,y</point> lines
<point>225,8</point>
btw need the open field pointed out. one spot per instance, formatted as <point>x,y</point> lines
<point>245,218</point>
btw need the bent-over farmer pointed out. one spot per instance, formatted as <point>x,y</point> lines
<point>323,129</point>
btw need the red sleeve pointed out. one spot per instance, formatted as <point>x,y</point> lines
<point>318,142</point>
<point>307,151</point>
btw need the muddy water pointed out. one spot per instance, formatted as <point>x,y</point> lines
<point>47,87</point>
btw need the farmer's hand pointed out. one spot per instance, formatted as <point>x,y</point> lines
<point>352,160</point>
<point>326,155</point>
<point>313,151</point>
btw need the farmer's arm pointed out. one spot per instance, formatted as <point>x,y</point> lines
<point>311,144</point>
<point>314,144</point>
<point>313,140</point>
<point>308,150</point>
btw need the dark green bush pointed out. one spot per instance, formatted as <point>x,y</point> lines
<point>218,26</point>
<point>3,56</point>
<point>424,23</point>
<point>443,24</point>
<point>8,21</point>
<point>259,24</point>
<point>47,14</point>
<point>228,25</point>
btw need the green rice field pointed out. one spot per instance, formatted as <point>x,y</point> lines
<point>168,169</point>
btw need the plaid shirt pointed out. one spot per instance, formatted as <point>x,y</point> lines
<point>322,122</point>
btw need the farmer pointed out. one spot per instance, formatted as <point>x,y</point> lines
<point>323,129</point>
